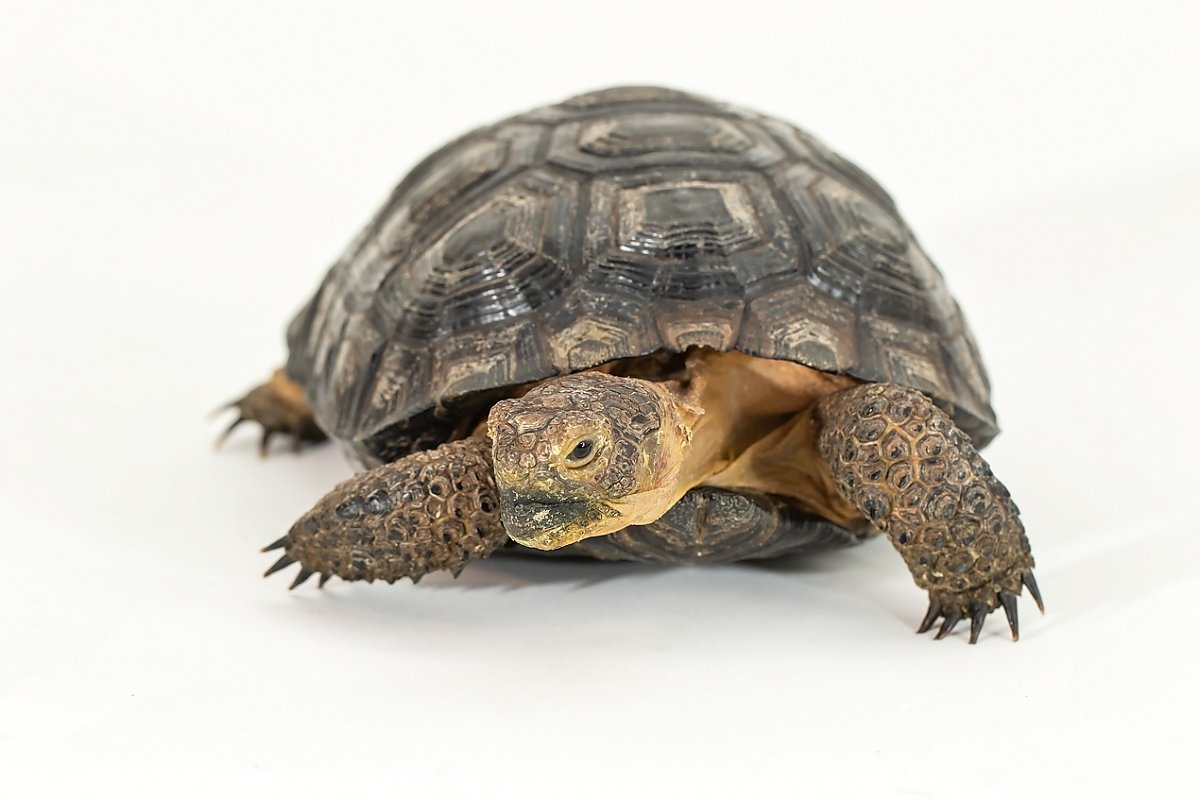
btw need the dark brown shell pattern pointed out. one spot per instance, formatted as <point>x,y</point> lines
<point>616,224</point>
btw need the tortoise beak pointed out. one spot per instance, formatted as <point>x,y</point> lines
<point>542,522</point>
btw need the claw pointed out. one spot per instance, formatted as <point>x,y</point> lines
<point>284,561</point>
<point>225,434</point>
<point>1032,586</point>
<point>304,575</point>
<point>1009,601</point>
<point>279,407</point>
<point>931,616</point>
<point>325,576</point>
<point>275,545</point>
<point>952,618</point>
<point>221,409</point>
<point>978,614</point>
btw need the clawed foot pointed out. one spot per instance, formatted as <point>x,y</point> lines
<point>279,407</point>
<point>305,573</point>
<point>430,511</point>
<point>953,607</point>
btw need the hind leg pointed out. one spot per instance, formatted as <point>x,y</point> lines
<point>278,406</point>
<point>909,470</point>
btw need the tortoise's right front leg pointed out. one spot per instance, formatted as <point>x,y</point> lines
<point>910,471</point>
<point>429,511</point>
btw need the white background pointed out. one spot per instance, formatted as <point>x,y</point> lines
<point>174,180</point>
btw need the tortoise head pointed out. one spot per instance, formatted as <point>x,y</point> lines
<point>585,455</point>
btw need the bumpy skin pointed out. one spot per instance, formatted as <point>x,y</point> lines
<point>431,511</point>
<point>916,476</point>
<point>621,411</point>
<point>545,497</point>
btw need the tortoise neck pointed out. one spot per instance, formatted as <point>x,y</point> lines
<point>729,401</point>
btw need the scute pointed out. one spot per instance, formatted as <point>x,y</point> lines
<point>499,261</point>
<point>639,134</point>
<point>612,225</point>
<point>630,95</point>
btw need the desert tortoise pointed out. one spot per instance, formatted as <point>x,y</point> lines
<point>640,324</point>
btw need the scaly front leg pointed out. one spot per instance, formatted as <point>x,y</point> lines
<point>910,471</point>
<point>429,511</point>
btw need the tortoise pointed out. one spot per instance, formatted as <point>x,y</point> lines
<point>643,325</point>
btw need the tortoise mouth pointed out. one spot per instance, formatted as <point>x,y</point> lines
<point>544,523</point>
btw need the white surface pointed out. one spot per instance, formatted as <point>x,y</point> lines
<point>175,179</point>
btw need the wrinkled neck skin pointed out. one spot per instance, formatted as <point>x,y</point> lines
<point>740,423</point>
<point>733,401</point>
<point>726,403</point>
<point>674,475</point>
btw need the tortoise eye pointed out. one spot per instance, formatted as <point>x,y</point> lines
<point>581,453</point>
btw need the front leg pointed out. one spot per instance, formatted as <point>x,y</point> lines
<point>429,511</point>
<point>910,471</point>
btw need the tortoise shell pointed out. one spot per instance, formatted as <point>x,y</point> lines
<point>617,224</point>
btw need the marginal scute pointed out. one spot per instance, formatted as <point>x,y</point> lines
<point>906,355</point>
<point>470,360</point>
<point>966,368</point>
<point>823,337</point>
<point>589,340</point>
<point>614,225</point>
<point>713,323</point>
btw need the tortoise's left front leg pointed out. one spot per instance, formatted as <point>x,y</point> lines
<point>910,471</point>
